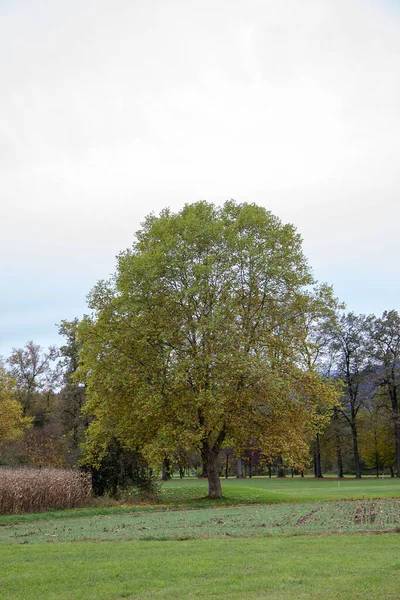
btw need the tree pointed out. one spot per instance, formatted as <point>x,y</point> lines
<point>31,368</point>
<point>376,437</point>
<point>43,447</point>
<point>385,349</point>
<point>12,423</point>
<point>195,342</point>
<point>349,346</point>
<point>316,353</point>
<point>72,396</point>
<point>336,444</point>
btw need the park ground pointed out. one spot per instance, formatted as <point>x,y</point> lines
<point>296,538</point>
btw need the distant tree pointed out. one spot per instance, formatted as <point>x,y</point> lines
<point>349,336</point>
<point>317,356</point>
<point>72,395</point>
<point>12,422</point>
<point>43,447</point>
<point>33,371</point>
<point>377,445</point>
<point>385,351</point>
<point>227,456</point>
<point>196,339</point>
<point>339,440</point>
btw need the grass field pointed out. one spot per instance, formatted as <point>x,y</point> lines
<point>261,490</point>
<point>344,567</point>
<point>266,539</point>
<point>361,516</point>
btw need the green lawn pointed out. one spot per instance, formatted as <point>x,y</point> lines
<point>262,490</point>
<point>335,567</point>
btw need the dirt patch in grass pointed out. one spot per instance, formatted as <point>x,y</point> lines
<point>306,517</point>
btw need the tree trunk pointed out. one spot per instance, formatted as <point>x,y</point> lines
<point>166,470</point>
<point>209,455</point>
<point>339,462</point>
<point>269,470</point>
<point>214,482</point>
<point>317,458</point>
<point>376,454</point>
<point>280,468</point>
<point>396,426</point>
<point>204,462</point>
<point>355,449</point>
<point>239,468</point>
<point>338,444</point>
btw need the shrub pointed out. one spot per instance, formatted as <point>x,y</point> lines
<point>25,490</point>
<point>121,470</point>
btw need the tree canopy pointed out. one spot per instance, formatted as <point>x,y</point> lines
<point>12,422</point>
<point>35,379</point>
<point>198,339</point>
<point>385,349</point>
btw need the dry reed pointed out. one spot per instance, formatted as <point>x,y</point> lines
<point>24,490</point>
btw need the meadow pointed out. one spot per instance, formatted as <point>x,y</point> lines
<point>262,490</point>
<point>296,538</point>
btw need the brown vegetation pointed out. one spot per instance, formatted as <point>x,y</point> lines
<point>24,490</point>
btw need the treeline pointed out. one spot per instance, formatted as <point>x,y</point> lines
<point>361,353</point>
<point>50,401</point>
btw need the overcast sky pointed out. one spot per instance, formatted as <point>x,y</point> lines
<point>112,109</point>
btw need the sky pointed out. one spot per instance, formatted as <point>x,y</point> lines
<point>110,110</point>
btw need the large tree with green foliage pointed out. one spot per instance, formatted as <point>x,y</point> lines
<point>196,340</point>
